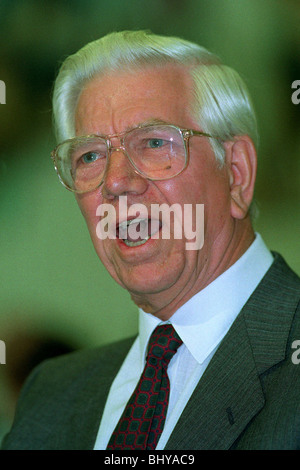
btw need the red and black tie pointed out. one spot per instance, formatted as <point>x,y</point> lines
<point>143,419</point>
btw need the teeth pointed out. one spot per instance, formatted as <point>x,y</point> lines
<point>143,232</point>
<point>125,223</point>
<point>141,242</point>
<point>123,227</point>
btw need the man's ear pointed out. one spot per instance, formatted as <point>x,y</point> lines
<point>241,160</point>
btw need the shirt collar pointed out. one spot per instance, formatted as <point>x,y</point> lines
<point>203,320</point>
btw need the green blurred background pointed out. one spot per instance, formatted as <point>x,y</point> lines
<point>51,282</point>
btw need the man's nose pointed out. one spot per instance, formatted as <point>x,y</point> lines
<point>120,176</point>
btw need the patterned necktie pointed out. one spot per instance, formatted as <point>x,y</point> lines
<point>143,419</point>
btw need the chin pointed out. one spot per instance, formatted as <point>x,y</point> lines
<point>151,283</point>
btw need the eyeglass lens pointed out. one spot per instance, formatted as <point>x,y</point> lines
<point>157,152</point>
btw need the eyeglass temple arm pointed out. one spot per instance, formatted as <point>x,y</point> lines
<point>187,133</point>
<point>190,133</point>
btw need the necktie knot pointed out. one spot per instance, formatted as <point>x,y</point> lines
<point>163,344</point>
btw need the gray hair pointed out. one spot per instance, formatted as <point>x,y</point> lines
<point>222,104</point>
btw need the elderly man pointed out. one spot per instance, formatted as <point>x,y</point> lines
<point>152,121</point>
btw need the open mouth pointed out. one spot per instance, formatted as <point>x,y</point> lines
<point>137,231</point>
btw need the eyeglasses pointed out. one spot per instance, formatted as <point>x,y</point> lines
<point>157,152</point>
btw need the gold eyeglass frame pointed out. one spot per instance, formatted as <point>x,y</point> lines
<point>186,134</point>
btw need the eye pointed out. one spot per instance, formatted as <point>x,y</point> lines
<point>156,143</point>
<point>90,157</point>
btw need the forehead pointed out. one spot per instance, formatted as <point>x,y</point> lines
<point>116,101</point>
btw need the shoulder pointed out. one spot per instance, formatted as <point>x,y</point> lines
<point>62,371</point>
<point>273,324</point>
<point>281,272</point>
<point>60,391</point>
<point>110,355</point>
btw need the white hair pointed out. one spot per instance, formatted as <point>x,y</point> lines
<point>222,103</point>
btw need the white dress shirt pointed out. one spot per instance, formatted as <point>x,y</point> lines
<point>201,323</point>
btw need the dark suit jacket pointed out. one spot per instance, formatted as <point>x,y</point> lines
<point>248,398</point>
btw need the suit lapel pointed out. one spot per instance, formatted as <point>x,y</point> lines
<point>230,394</point>
<point>226,398</point>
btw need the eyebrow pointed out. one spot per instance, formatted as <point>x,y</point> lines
<point>151,122</point>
